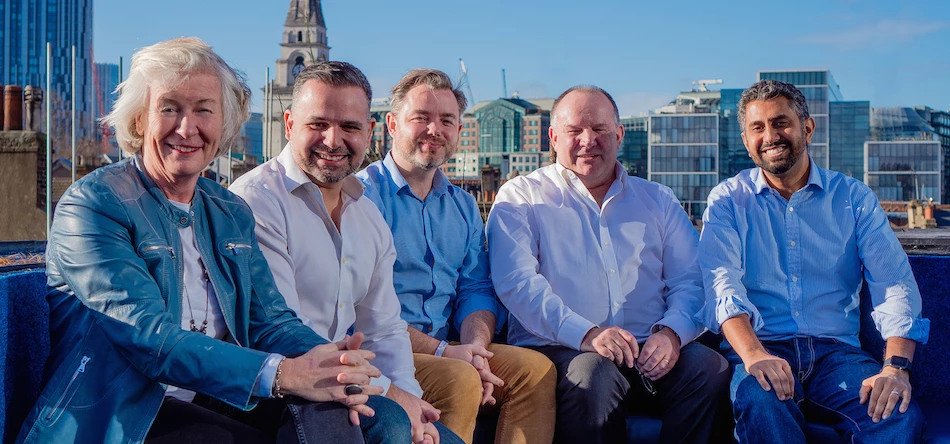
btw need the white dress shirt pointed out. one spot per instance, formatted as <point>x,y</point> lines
<point>333,279</point>
<point>562,265</point>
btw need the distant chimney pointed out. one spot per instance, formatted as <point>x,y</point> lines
<point>13,108</point>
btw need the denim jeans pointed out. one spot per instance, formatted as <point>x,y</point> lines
<point>828,376</point>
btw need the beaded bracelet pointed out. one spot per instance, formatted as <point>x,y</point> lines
<point>275,392</point>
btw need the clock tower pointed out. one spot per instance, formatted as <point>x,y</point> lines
<point>303,43</point>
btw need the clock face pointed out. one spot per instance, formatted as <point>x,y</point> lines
<point>298,66</point>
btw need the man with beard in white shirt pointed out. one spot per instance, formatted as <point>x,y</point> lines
<point>328,247</point>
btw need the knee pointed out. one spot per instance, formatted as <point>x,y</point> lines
<point>594,378</point>
<point>389,424</point>
<point>460,382</point>
<point>526,368</point>
<point>748,397</point>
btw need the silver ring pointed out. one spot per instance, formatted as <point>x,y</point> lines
<point>895,392</point>
<point>353,389</point>
<point>666,361</point>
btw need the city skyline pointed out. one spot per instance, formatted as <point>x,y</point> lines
<point>644,54</point>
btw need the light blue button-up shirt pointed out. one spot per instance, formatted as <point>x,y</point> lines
<point>441,269</point>
<point>796,267</point>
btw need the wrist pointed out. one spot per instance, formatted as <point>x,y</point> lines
<point>674,337</point>
<point>440,350</point>
<point>276,390</point>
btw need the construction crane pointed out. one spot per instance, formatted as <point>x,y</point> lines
<point>702,84</point>
<point>464,85</point>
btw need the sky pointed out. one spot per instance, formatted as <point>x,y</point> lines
<point>892,53</point>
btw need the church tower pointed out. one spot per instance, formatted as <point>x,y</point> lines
<point>303,43</point>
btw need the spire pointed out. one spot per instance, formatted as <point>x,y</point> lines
<point>305,13</point>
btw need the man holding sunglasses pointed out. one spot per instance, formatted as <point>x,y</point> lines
<point>599,271</point>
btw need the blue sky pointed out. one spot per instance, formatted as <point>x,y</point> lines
<point>893,53</point>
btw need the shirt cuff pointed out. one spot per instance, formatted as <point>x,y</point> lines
<point>916,329</point>
<point>264,385</point>
<point>573,330</point>
<point>686,329</point>
<point>730,307</point>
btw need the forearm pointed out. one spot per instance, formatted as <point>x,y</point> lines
<point>738,331</point>
<point>897,346</point>
<point>421,342</point>
<point>478,327</point>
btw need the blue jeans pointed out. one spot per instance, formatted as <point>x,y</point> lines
<point>828,376</point>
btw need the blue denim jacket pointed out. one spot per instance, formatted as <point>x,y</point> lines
<point>115,285</point>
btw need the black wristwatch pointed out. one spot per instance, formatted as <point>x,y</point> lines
<point>898,362</point>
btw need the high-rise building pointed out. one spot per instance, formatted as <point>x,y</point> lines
<point>104,96</point>
<point>683,150</point>
<point>940,122</point>
<point>252,137</point>
<point>25,28</point>
<point>303,43</point>
<point>904,159</point>
<point>633,149</point>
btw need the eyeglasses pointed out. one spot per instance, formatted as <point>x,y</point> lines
<point>647,383</point>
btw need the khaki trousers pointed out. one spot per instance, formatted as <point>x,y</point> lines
<point>525,404</point>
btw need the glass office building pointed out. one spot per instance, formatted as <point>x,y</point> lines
<point>633,149</point>
<point>849,127</point>
<point>903,170</point>
<point>683,154</point>
<point>904,159</point>
<point>25,28</point>
<point>940,122</point>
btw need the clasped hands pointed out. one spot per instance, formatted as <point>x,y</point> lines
<point>880,392</point>
<point>658,356</point>
<point>478,356</point>
<point>321,374</point>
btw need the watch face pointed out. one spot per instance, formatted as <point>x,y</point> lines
<point>898,362</point>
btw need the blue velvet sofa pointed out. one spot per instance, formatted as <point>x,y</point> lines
<point>24,345</point>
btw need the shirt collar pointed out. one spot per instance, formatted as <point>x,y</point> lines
<point>294,177</point>
<point>816,177</point>
<point>619,183</point>
<point>440,184</point>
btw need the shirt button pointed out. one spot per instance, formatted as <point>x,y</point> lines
<point>794,278</point>
<point>183,220</point>
<point>616,305</point>
<point>796,314</point>
<point>606,244</point>
<point>343,260</point>
<point>341,305</point>
<point>792,243</point>
<point>613,271</point>
<point>791,209</point>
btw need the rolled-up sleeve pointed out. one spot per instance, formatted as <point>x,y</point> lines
<point>895,296</point>
<point>720,262</point>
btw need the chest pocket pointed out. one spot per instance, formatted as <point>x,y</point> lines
<point>160,260</point>
<point>234,258</point>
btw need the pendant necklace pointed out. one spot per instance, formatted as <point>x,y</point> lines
<point>204,324</point>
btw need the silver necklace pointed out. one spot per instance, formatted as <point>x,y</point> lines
<point>204,324</point>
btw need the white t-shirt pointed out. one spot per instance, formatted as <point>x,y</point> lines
<point>199,293</point>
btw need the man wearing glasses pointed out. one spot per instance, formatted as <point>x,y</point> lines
<point>599,272</point>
